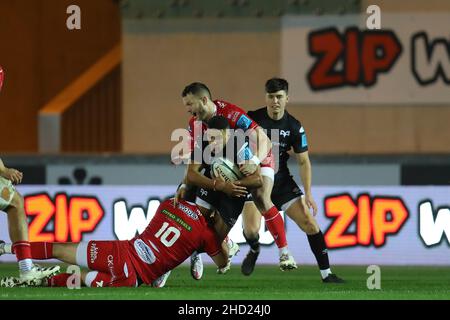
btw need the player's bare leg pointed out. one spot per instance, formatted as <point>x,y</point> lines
<point>196,258</point>
<point>274,222</point>
<point>251,220</point>
<point>299,212</point>
<point>222,230</point>
<point>29,273</point>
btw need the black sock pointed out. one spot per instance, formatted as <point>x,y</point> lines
<point>319,248</point>
<point>253,242</point>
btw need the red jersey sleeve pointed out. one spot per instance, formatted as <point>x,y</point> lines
<point>237,117</point>
<point>212,246</point>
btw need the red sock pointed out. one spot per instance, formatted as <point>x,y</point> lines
<point>42,250</point>
<point>275,224</point>
<point>22,250</point>
<point>59,280</point>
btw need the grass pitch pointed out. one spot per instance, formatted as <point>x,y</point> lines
<point>266,283</point>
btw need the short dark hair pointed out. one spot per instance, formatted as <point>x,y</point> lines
<point>196,88</point>
<point>218,122</point>
<point>277,84</point>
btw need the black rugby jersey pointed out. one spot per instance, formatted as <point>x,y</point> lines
<point>291,135</point>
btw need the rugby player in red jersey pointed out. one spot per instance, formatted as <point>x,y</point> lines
<point>172,235</point>
<point>198,102</point>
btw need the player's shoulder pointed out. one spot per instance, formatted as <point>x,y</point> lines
<point>227,106</point>
<point>293,122</point>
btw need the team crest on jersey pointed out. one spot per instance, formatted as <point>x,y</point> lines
<point>221,104</point>
<point>285,133</point>
<point>203,192</point>
<point>144,252</point>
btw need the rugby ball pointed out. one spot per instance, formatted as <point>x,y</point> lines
<point>229,171</point>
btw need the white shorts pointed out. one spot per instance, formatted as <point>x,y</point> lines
<point>7,191</point>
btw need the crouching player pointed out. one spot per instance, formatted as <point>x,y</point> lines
<point>174,233</point>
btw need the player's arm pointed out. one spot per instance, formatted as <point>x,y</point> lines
<point>306,175</point>
<point>263,145</point>
<point>258,140</point>
<point>2,167</point>
<point>253,181</point>
<point>195,178</point>
<point>216,249</point>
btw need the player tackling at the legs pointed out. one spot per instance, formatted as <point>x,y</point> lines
<point>172,235</point>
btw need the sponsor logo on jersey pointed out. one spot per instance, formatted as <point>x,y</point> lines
<point>284,133</point>
<point>244,153</point>
<point>244,122</point>
<point>178,220</point>
<point>302,130</point>
<point>93,252</point>
<point>304,142</point>
<point>144,252</point>
<point>188,211</point>
<point>110,262</point>
<point>234,117</point>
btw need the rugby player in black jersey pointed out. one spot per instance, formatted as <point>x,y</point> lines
<point>286,194</point>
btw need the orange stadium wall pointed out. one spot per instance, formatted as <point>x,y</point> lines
<point>235,57</point>
<point>41,57</point>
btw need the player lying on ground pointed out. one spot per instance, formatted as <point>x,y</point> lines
<point>11,202</point>
<point>197,99</point>
<point>286,194</point>
<point>174,233</point>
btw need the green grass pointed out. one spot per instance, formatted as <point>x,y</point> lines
<point>267,282</point>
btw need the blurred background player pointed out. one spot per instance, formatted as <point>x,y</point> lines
<point>170,238</point>
<point>11,202</point>
<point>286,194</point>
<point>198,101</point>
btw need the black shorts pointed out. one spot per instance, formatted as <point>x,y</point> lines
<point>284,190</point>
<point>228,208</point>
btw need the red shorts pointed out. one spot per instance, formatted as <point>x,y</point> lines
<point>111,263</point>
